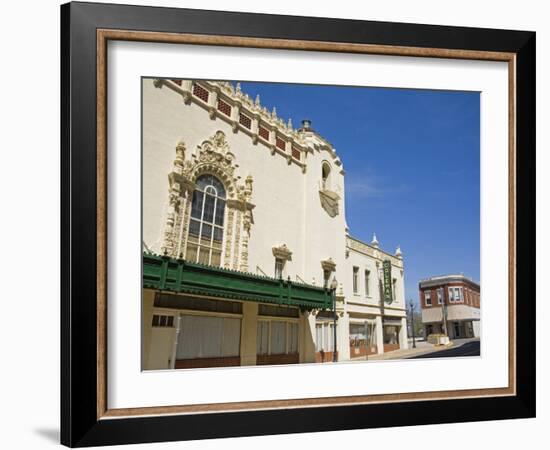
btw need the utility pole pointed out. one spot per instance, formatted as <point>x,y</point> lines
<point>411,304</point>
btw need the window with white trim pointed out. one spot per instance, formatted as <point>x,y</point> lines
<point>428,298</point>
<point>367,283</point>
<point>455,294</point>
<point>356,280</point>
<point>204,243</point>
<point>439,296</point>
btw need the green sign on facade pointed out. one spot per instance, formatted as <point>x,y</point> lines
<point>388,298</point>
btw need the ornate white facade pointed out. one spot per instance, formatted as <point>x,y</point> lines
<point>284,210</point>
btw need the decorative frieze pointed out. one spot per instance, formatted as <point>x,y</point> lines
<point>372,251</point>
<point>226,101</point>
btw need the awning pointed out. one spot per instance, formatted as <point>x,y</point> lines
<point>167,274</point>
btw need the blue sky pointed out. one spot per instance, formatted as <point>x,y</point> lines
<point>412,167</point>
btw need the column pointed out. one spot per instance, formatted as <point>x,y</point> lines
<point>379,335</point>
<point>235,111</point>
<point>403,337</point>
<point>343,337</point>
<point>255,128</point>
<point>212,104</point>
<point>186,87</point>
<point>307,337</point>
<point>249,333</point>
<point>146,324</point>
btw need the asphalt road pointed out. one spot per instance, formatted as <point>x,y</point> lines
<point>467,349</point>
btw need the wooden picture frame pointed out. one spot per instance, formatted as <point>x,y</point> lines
<point>86,419</point>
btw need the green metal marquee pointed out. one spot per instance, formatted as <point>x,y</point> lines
<point>167,274</point>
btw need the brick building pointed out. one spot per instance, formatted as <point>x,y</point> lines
<point>450,305</point>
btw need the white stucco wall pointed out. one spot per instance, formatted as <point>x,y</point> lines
<point>287,204</point>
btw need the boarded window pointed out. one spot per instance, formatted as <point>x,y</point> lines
<point>208,337</point>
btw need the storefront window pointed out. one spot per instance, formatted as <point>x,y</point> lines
<point>391,334</point>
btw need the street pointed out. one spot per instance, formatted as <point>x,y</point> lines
<point>471,348</point>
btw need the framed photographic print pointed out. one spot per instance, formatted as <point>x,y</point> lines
<point>277,224</point>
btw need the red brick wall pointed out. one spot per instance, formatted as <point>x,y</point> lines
<point>390,347</point>
<point>362,351</point>
<point>264,360</point>
<point>321,357</point>
<point>470,294</point>
<point>196,363</point>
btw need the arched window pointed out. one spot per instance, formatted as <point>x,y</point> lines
<point>325,173</point>
<point>204,243</point>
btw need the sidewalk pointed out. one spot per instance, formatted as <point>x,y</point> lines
<point>422,348</point>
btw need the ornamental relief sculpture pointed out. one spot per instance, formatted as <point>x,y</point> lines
<point>214,157</point>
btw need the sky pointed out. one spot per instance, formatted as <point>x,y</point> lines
<point>412,167</point>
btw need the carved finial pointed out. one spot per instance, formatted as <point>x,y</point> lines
<point>398,252</point>
<point>289,124</point>
<point>374,241</point>
<point>238,90</point>
<point>274,113</point>
<point>257,101</point>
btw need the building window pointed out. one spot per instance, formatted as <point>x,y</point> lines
<point>296,154</point>
<point>280,143</point>
<point>279,267</point>
<point>178,82</point>
<point>263,132</point>
<point>204,243</point>
<point>224,107</point>
<point>163,321</point>
<point>276,337</point>
<point>367,283</point>
<point>325,176</point>
<point>245,121</point>
<point>200,92</point>
<point>208,337</point>
<point>439,296</point>
<point>356,280</point>
<point>394,289</point>
<point>455,294</point>
<point>324,337</point>
<point>427,298</point>
<point>326,277</point>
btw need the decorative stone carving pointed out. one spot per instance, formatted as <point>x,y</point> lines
<point>329,202</point>
<point>237,252</point>
<point>213,157</point>
<point>228,238</point>
<point>282,252</point>
<point>328,264</point>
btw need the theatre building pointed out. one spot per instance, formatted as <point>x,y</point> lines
<point>247,258</point>
<point>450,306</point>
